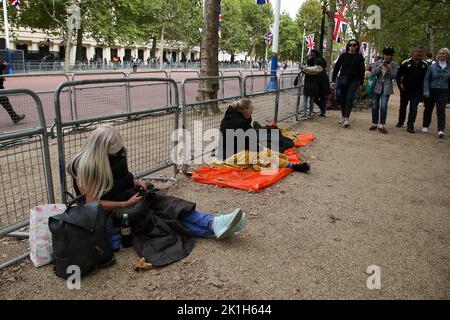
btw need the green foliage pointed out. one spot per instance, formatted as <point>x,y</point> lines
<point>290,38</point>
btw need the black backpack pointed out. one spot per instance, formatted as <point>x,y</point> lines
<point>80,238</point>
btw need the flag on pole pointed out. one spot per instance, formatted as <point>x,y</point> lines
<point>310,42</point>
<point>363,49</point>
<point>268,37</point>
<point>15,3</point>
<point>220,19</point>
<point>262,2</point>
<point>341,18</point>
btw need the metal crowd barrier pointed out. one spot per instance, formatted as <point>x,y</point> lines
<point>289,96</point>
<point>265,101</point>
<point>25,175</point>
<point>204,115</point>
<point>43,85</point>
<point>147,133</point>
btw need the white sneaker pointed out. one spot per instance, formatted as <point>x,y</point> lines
<point>341,121</point>
<point>441,134</point>
<point>346,123</point>
<point>425,130</point>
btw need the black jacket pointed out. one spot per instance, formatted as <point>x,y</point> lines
<point>2,80</point>
<point>411,75</point>
<point>351,65</point>
<point>253,139</point>
<point>158,234</point>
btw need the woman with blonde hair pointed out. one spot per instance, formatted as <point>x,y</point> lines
<point>162,225</point>
<point>436,87</point>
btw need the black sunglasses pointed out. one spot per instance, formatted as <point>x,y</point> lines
<point>352,44</point>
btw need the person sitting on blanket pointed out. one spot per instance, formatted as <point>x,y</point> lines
<point>100,172</point>
<point>244,146</point>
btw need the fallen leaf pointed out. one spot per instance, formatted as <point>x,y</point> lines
<point>142,265</point>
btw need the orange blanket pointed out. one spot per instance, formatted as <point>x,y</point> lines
<point>248,179</point>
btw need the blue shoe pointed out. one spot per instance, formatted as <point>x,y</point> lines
<point>241,224</point>
<point>223,225</point>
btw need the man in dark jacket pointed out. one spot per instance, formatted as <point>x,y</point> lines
<point>4,101</point>
<point>410,78</point>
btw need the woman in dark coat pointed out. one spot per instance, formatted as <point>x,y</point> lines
<point>350,67</point>
<point>163,226</point>
<point>4,101</point>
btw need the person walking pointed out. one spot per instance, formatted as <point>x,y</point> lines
<point>410,78</point>
<point>350,66</point>
<point>311,89</point>
<point>324,87</point>
<point>385,70</point>
<point>436,88</point>
<point>4,101</point>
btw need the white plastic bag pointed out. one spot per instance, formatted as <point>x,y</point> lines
<point>40,237</point>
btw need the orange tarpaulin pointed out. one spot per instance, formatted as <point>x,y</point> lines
<point>249,179</point>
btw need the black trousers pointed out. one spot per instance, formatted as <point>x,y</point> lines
<point>347,94</point>
<point>4,101</point>
<point>438,98</point>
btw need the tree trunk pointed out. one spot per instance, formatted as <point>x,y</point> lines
<point>161,49</point>
<point>153,52</point>
<point>68,47</point>
<point>209,60</point>
<point>79,52</point>
<point>330,31</point>
<point>430,37</point>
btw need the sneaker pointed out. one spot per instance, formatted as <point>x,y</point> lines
<point>19,118</point>
<point>373,127</point>
<point>383,130</point>
<point>223,225</point>
<point>302,167</point>
<point>346,123</point>
<point>341,121</point>
<point>425,130</point>
<point>238,227</point>
<point>411,130</point>
<point>441,134</point>
<point>322,115</point>
<point>398,125</point>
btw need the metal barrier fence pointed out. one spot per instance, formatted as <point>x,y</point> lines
<point>200,116</point>
<point>265,101</point>
<point>25,171</point>
<point>147,133</point>
<point>289,96</point>
<point>41,84</point>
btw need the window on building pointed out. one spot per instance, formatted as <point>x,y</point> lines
<point>99,53</point>
<point>113,53</point>
<point>62,52</point>
<point>141,54</point>
<point>22,46</point>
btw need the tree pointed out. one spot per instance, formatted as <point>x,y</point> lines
<point>235,34</point>
<point>290,38</point>
<point>309,16</point>
<point>209,65</point>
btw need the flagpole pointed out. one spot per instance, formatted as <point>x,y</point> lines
<point>276,27</point>
<point>303,43</point>
<point>6,26</point>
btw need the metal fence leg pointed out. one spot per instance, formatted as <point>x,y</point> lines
<point>13,261</point>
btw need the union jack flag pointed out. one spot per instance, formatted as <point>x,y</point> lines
<point>341,17</point>
<point>310,42</point>
<point>262,1</point>
<point>15,3</point>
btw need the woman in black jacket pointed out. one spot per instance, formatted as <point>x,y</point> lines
<point>350,67</point>
<point>4,101</point>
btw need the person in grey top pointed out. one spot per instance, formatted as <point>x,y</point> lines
<point>385,70</point>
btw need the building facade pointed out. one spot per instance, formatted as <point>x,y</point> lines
<point>36,45</point>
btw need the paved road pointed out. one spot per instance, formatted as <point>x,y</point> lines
<point>95,100</point>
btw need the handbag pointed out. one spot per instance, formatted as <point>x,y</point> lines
<point>80,238</point>
<point>342,81</point>
<point>370,85</point>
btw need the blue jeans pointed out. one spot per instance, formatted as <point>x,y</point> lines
<point>199,223</point>
<point>308,106</point>
<point>379,112</point>
<point>412,97</point>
